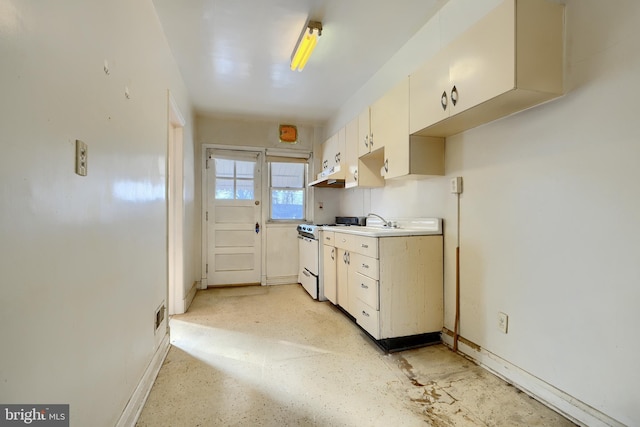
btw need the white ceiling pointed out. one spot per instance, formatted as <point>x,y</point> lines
<point>234,54</point>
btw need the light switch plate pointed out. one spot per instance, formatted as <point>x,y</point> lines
<point>82,156</point>
<point>503,322</point>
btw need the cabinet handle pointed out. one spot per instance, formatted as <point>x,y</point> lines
<point>364,265</point>
<point>371,140</point>
<point>362,285</point>
<point>338,158</point>
<point>366,141</point>
<point>386,165</point>
<point>362,245</point>
<point>348,258</point>
<point>444,100</point>
<point>355,175</point>
<point>454,96</point>
<point>327,238</point>
<point>325,164</point>
<point>305,273</point>
<point>333,251</point>
<point>344,257</point>
<point>364,313</point>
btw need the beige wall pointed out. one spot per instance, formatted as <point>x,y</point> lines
<point>83,262</point>
<point>549,224</point>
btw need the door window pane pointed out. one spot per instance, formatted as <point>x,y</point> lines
<point>244,189</point>
<point>224,189</point>
<point>224,168</point>
<point>234,179</point>
<point>245,169</point>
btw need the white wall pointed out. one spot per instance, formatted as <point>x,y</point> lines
<point>549,224</point>
<point>83,258</point>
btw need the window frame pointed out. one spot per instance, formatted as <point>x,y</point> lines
<point>305,190</point>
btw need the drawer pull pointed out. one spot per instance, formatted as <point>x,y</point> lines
<point>364,265</point>
<point>364,313</point>
<point>362,285</point>
<point>327,238</point>
<point>364,246</point>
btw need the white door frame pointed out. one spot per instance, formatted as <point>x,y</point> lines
<point>203,199</point>
<point>175,209</point>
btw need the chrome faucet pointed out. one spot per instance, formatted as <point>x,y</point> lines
<point>385,222</point>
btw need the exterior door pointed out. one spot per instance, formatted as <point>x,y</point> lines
<point>233,217</point>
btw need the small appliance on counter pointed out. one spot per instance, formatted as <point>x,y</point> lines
<point>351,220</point>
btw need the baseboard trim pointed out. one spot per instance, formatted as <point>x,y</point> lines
<point>282,280</point>
<point>561,402</point>
<point>132,411</point>
<point>190,296</point>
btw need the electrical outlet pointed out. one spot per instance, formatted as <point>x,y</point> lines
<point>503,322</point>
<point>82,157</point>
<point>456,185</point>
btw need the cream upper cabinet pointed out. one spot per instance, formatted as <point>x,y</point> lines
<point>404,155</point>
<point>351,153</point>
<point>363,172</point>
<point>365,138</point>
<point>333,150</point>
<point>510,60</point>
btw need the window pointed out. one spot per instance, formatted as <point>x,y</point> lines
<point>287,190</point>
<point>234,179</point>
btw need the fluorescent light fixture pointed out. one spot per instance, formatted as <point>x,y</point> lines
<point>306,43</point>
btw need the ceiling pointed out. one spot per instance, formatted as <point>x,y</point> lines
<point>234,55</point>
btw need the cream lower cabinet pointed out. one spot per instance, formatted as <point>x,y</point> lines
<point>392,286</point>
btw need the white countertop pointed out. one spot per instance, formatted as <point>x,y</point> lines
<point>405,227</point>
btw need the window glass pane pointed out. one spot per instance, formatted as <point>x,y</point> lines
<point>224,168</point>
<point>244,169</point>
<point>224,188</point>
<point>287,204</point>
<point>244,189</point>
<point>287,175</point>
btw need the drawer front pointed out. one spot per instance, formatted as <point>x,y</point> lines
<point>328,237</point>
<point>365,245</point>
<point>366,289</point>
<point>368,318</point>
<point>343,241</point>
<point>365,265</point>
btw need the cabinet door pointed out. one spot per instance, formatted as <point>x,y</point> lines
<point>339,155</point>
<point>364,131</point>
<point>342,278</point>
<point>329,273</point>
<point>429,88</point>
<point>328,152</point>
<point>351,150</point>
<point>390,127</point>
<point>482,60</point>
<point>390,117</point>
